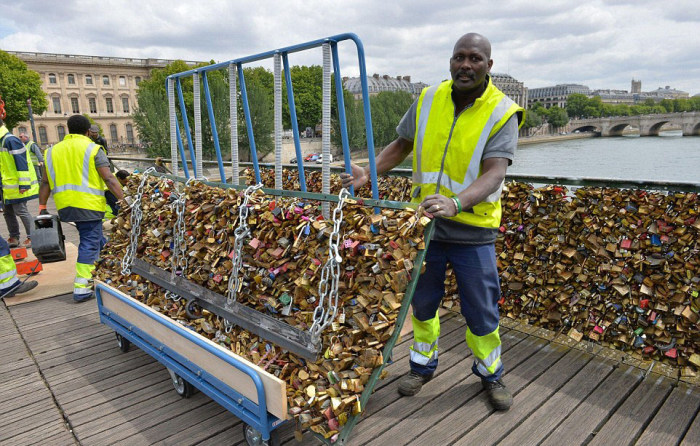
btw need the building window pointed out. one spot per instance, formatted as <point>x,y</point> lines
<point>61,132</point>
<point>52,78</point>
<point>56,105</point>
<point>113,133</point>
<point>129,134</point>
<point>122,81</point>
<point>88,79</point>
<point>74,105</point>
<point>92,103</point>
<point>21,130</point>
<point>71,79</point>
<point>110,106</point>
<point>137,80</point>
<point>43,139</point>
<point>105,80</point>
<point>125,104</point>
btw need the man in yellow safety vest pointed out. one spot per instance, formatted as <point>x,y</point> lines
<point>34,152</point>
<point>463,133</point>
<point>19,185</point>
<point>76,171</point>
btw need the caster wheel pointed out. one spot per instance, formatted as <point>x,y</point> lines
<point>123,343</point>
<point>254,438</point>
<point>182,387</point>
<point>192,309</point>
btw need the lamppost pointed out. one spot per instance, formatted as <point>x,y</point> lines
<point>31,119</point>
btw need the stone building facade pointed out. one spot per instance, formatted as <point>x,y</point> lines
<point>102,87</point>
<point>511,87</point>
<point>556,95</point>
<point>376,84</point>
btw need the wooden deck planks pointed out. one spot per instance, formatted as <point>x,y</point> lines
<point>673,419</point>
<point>545,419</point>
<point>639,408</point>
<point>499,424</point>
<point>597,407</point>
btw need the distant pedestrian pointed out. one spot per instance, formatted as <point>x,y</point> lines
<point>19,185</point>
<point>35,154</point>
<point>123,177</point>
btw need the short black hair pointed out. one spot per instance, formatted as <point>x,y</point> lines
<point>78,125</point>
<point>122,174</point>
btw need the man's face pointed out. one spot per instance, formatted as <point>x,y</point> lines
<point>92,134</point>
<point>469,65</point>
<point>24,138</point>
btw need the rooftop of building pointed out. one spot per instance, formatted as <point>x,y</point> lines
<point>55,58</point>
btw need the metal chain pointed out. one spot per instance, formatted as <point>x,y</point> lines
<point>241,233</point>
<point>136,215</point>
<point>328,292</point>
<point>179,258</point>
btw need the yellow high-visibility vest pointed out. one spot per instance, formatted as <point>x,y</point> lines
<point>448,148</point>
<point>12,178</point>
<point>73,177</point>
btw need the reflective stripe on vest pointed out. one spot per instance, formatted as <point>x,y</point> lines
<point>67,186</point>
<point>437,170</point>
<point>32,155</point>
<point>12,178</point>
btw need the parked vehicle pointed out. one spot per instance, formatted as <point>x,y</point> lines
<point>320,159</point>
<point>311,157</point>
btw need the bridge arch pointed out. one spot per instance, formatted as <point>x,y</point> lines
<point>691,129</point>
<point>617,129</point>
<point>586,128</point>
<point>653,129</point>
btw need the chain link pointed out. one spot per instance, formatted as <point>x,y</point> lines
<point>179,258</point>
<point>136,216</point>
<point>241,234</point>
<point>327,307</point>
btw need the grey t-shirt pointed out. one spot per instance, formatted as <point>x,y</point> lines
<point>79,214</point>
<point>501,145</point>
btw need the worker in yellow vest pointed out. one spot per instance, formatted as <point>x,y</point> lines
<point>34,152</point>
<point>76,171</point>
<point>463,133</point>
<point>19,185</point>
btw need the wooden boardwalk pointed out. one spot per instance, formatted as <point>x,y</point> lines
<point>65,382</point>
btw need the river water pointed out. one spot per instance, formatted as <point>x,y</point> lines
<point>669,157</point>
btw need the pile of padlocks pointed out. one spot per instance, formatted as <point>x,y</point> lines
<point>282,262</point>
<point>617,267</point>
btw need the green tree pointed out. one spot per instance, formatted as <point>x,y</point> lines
<point>307,83</point>
<point>261,108</point>
<point>387,108</point>
<point>354,119</point>
<point>668,105</point>
<point>17,84</point>
<point>532,119</point>
<point>576,104</point>
<point>557,116</point>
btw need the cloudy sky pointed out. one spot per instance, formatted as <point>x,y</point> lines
<point>599,43</point>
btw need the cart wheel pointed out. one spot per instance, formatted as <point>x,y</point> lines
<point>123,343</point>
<point>254,438</point>
<point>182,387</point>
<point>192,309</point>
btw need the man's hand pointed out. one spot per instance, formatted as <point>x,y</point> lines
<point>439,206</point>
<point>357,179</point>
<point>23,189</point>
<point>43,212</point>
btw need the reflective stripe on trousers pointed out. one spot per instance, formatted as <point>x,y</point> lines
<point>8,272</point>
<point>487,352</point>
<point>425,340</point>
<point>83,278</point>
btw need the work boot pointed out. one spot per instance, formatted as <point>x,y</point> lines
<point>498,394</point>
<point>412,382</point>
<point>13,242</point>
<point>23,288</point>
<point>83,298</point>
<point>27,243</point>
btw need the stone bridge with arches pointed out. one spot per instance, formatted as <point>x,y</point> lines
<point>648,125</point>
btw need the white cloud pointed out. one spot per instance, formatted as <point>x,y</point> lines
<point>600,43</point>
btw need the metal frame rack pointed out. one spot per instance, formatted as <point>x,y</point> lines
<point>185,371</point>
